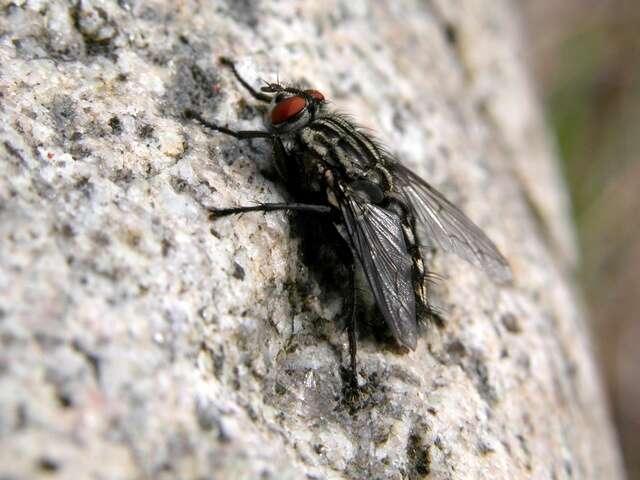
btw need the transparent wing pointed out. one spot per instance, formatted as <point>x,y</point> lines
<point>440,224</point>
<point>378,240</point>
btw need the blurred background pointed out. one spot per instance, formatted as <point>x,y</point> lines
<point>585,56</point>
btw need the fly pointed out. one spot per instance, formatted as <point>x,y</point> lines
<point>385,214</point>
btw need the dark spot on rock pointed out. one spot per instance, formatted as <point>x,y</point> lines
<point>419,458</point>
<point>96,28</point>
<point>126,4</point>
<point>247,111</point>
<point>251,412</point>
<point>47,341</point>
<point>78,151</point>
<point>116,125</point>
<point>380,434</point>
<point>193,88</point>
<point>507,447</point>
<point>235,382</point>
<point>64,399</point>
<point>101,239</point>
<point>444,150</point>
<point>145,131</point>
<point>482,107</point>
<point>245,11</point>
<point>21,417</point>
<point>280,389</point>
<point>48,465</point>
<point>238,271</point>
<point>217,357</point>
<point>37,41</point>
<point>63,112</point>
<point>568,468</point>
<point>178,184</point>
<point>92,358</point>
<point>85,186</point>
<point>207,416</point>
<point>166,247</point>
<point>11,150</point>
<point>398,121</point>
<point>511,323</point>
<point>133,239</point>
<point>266,475</point>
<point>456,350</point>
<point>319,448</point>
<point>67,231</point>
<point>477,370</point>
<point>122,176</point>
<point>525,450</point>
<point>450,33</point>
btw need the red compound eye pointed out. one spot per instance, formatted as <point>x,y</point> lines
<point>316,94</point>
<point>287,109</point>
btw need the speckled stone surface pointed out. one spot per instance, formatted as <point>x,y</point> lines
<point>138,340</point>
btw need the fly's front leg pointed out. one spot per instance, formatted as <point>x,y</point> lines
<point>268,207</point>
<point>239,134</point>
<point>263,97</point>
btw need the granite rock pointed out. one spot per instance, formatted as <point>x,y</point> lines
<point>139,340</point>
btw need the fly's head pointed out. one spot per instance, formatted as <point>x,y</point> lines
<point>291,108</point>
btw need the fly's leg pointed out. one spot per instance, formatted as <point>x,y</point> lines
<point>242,134</point>
<point>269,207</point>
<point>351,327</point>
<point>263,97</point>
<point>346,255</point>
<point>239,134</point>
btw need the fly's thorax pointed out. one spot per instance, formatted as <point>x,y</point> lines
<point>339,144</point>
<point>309,140</point>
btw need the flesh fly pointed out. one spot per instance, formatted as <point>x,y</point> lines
<point>386,215</point>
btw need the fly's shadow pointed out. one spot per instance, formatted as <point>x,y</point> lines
<point>328,259</point>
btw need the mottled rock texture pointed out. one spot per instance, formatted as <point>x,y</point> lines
<point>138,340</point>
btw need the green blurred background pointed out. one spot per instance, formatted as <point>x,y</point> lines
<point>585,56</point>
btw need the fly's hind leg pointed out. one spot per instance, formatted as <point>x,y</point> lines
<point>351,326</point>
<point>346,255</point>
<point>422,280</point>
